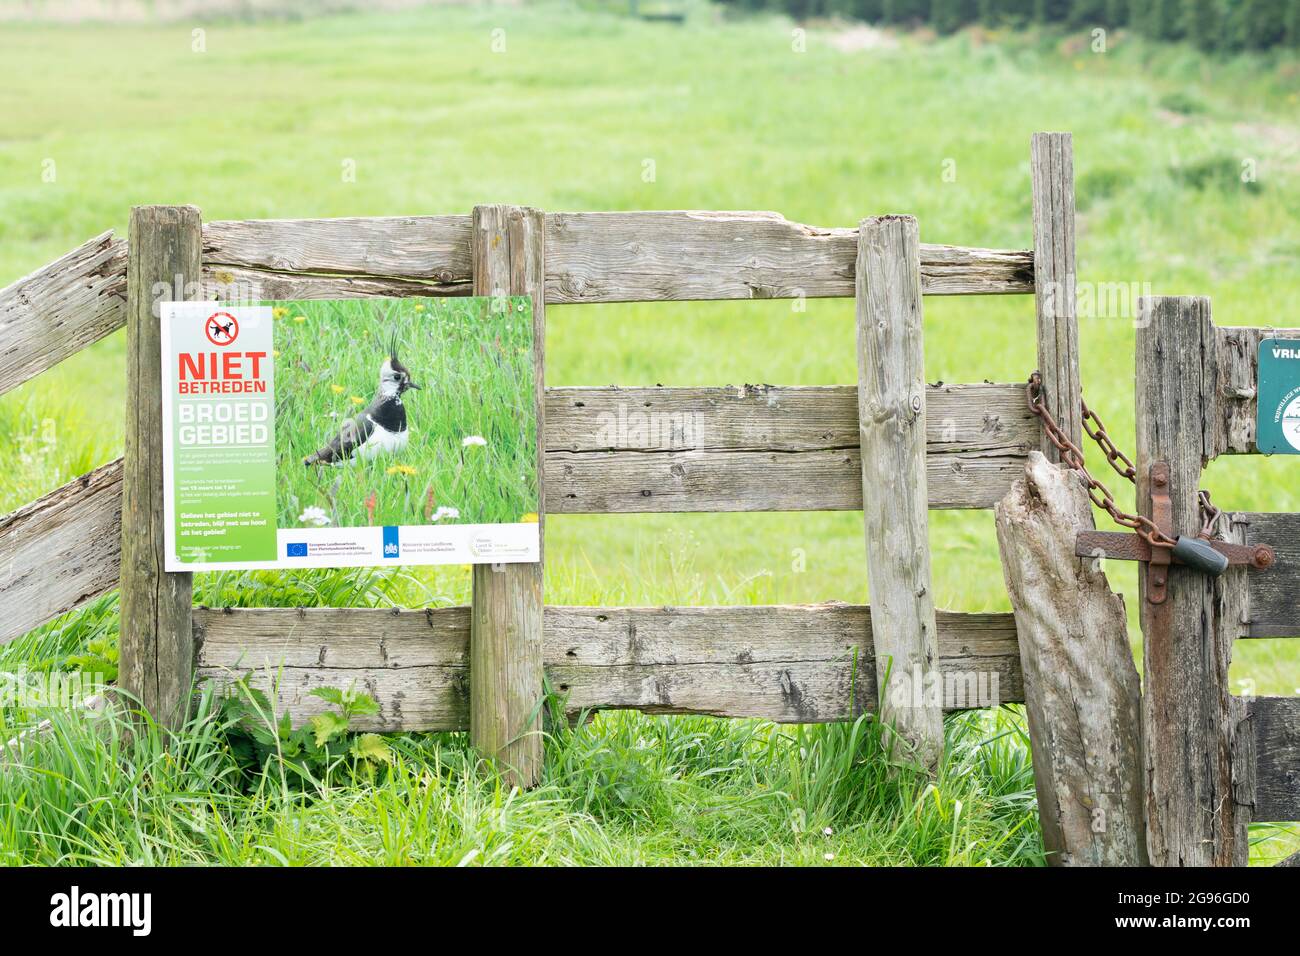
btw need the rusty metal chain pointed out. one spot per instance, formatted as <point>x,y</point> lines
<point>1101,496</point>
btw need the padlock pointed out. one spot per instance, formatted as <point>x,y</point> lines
<point>1197,554</point>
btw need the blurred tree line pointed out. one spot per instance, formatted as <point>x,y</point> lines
<point>1212,25</point>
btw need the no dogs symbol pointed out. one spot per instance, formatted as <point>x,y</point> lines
<point>221,328</point>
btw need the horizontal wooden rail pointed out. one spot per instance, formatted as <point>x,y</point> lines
<point>1273,608</point>
<point>57,311</point>
<point>1237,361</point>
<point>590,257</point>
<point>794,664</point>
<point>765,448</point>
<point>1275,723</point>
<point>60,551</point>
<point>608,450</point>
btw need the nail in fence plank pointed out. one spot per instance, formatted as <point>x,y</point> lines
<point>1273,610</point>
<point>787,663</point>
<point>891,413</point>
<point>1236,352</point>
<point>1275,730</point>
<point>157,638</point>
<point>1187,725</point>
<point>506,618</point>
<point>1052,168</point>
<point>57,311</point>
<point>1082,695</point>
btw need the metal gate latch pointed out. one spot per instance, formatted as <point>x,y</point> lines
<point>1164,547</point>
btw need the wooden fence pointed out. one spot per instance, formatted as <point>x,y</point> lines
<point>1214,762</point>
<point>892,447</point>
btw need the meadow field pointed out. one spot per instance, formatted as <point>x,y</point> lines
<point>471,455</point>
<point>435,110</point>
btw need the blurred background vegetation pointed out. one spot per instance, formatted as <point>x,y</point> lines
<point>248,110</point>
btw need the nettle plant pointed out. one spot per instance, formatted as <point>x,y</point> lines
<point>262,744</point>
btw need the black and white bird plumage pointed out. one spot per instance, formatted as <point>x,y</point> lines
<point>379,430</point>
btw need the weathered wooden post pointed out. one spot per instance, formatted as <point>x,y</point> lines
<point>1186,705</point>
<point>895,505</point>
<point>1082,697</point>
<point>156,643</point>
<point>1051,166</point>
<point>508,254</point>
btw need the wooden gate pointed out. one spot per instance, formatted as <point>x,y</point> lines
<point>892,447</point>
<point>1214,762</point>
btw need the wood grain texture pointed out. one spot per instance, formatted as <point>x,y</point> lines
<point>766,448</point>
<point>752,448</point>
<point>238,284</point>
<point>1274,608</point>
<point>60,551</point>
<point>1051,166</point>
<point>1275,726</point>
<point>156,642</point>
<point>1082,695</point>
<point>1236,357</point>
<point>1187,727</point>
<point>508,255</point>
<point>892,422</point>
<point>597,257</point>
<point>791,663</point>
<point>1243,777</point>
<point>57,311</point>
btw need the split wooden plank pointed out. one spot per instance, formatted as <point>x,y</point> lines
<point>1273,610</point>
<point>766,448</point>
<point>57,311</point>
<point>1052,169</point>
<point>506,684</point>
<point>597,257</point>
<point>892,417</point>
<point>655,256</point>
<point>1244,768</point>
<point>1187,724</point>
<point>238,284</point>
<point>1082,695</point>
<point>156,643</point>
<point>60,551</point>
<point>1236,356</point>
<point>792,664</point>
<point>1275,725</point>
<point>983,417</point>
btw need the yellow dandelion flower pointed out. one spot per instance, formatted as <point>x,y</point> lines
<point>419,307</point>
<point>337,389</point>
<point>275,353</point>
<point>530,518</point>
<point>400,470</point>
<point>279,312</point>
<point>358,400</point>
<point>300,318</point>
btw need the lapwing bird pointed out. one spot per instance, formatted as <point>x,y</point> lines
<point>381,429</point>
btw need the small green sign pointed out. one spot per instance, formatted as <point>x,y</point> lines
<point>1277,424</point>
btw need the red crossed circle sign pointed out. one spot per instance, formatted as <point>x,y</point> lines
<point>221,328</point>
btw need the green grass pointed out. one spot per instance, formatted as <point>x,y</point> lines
<point>260,125</point>
<point>622,790</point>
<point>473,364</point>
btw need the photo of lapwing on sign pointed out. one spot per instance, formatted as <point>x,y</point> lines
<point>1277,423</point>
<point>349,433</point>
